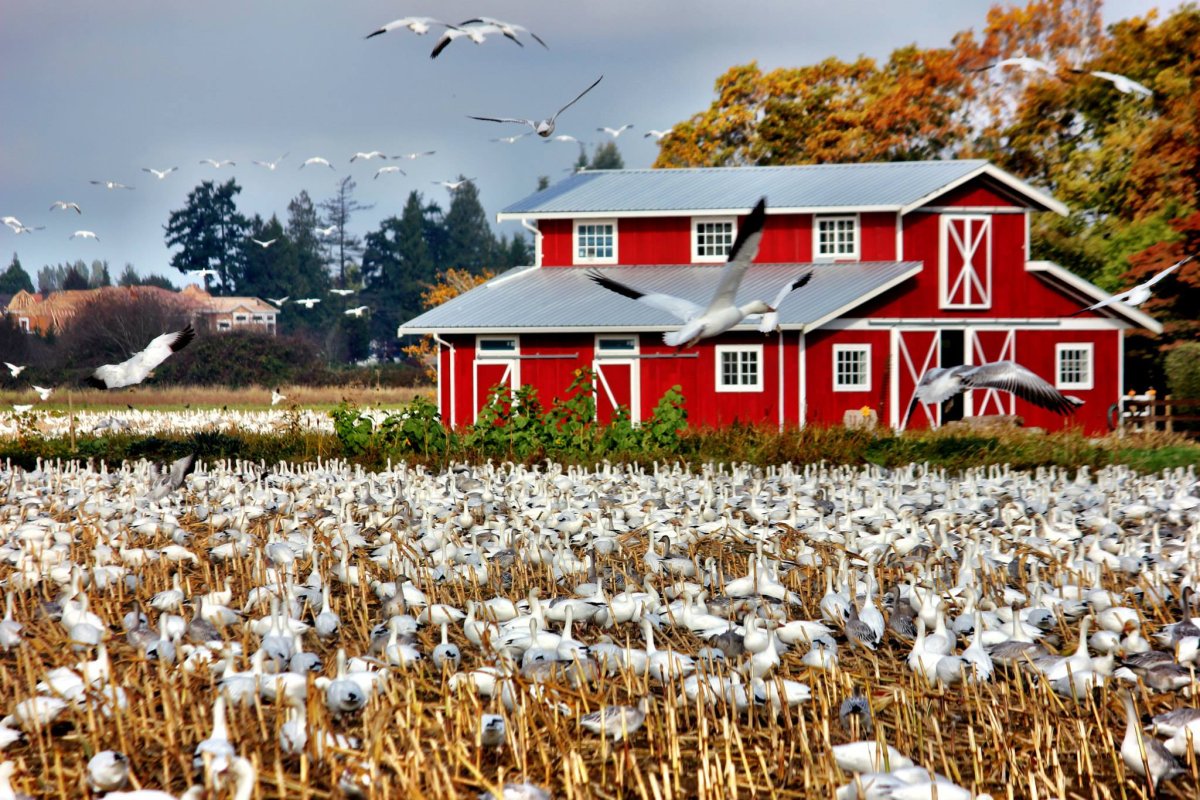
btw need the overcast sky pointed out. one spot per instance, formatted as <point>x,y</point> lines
<point>97,90</point>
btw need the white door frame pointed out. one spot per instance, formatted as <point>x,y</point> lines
<point>914,367</point>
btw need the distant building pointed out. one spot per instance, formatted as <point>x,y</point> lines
<point>35,313</point>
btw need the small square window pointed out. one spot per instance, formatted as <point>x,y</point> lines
<point>851,367</point>
<point>595,242</point>
<point>739,368</point>
<point>836,237</point>
<point>712,239</point>
<point>1073,366</point>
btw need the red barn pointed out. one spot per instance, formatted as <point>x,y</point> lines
<point>915,265</point>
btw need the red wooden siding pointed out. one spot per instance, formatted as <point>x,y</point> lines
<point>1036,349</point>
<point>826,406</point>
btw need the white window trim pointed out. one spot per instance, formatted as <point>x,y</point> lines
<point>816,237</point>
<point>944,245</point>
<point>721,259</point>
<point>575,259</point>
<point>757,349</point>
<point>637,346</point>
<point>480,353</point>
<point>1062,347</point>
<point>846,348</point>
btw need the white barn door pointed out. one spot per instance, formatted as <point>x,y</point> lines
<point>965,263</point>
<point>917,352</point>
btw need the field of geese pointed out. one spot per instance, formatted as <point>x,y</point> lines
<point>233,630</point>
<point>148,422</point>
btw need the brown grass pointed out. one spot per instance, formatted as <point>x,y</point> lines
<point>1011,738</point>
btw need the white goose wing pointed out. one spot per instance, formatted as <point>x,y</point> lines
<point>1166,272</point>
<point>135,369</point>
<point>770,320</point>
<point>743,251</point>
<point>1009,376</point>
<point>683,310</point>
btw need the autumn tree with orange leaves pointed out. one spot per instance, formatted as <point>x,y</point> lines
<point>450,284</point>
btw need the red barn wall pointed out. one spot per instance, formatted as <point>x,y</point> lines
<point>826,406</point>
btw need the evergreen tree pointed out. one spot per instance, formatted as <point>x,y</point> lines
<point>130,277</point>
<point>470,243</point>
<point>74,280</point>
<point>344,245</point>
<point>397,268</point>
<point>15,278</point>
<point>211,233</point>
<point>267,271</point>
<point>607,156</point>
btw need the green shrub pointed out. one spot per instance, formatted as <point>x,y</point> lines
<point>1183,371</point>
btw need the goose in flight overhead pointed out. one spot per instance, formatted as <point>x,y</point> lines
<point>1024,63</point>
<point>721,314</point>
<point>159,173</point>
<point>476,33</point>
<point>271,165</point>
<point>366,156</point>
<point>111,184</point>
<point>84,235</point>
<point>509,29</point>
<point>308,302</point>
<point>418,25</point>
<point>342,292</point>
<point>316,160</point>
<point>388,171</point>
<point>454,186</point>
<point>266,244</point>
<point>42,391</point>
<point>64,205</point>
<point>325,231</point>
<point>218,163</point>
<point>278,301</point>
<point>14,369</point>
<point>201,273</point>
<point>658,135</point>
<point>414,156</point>
<point>941,383</point>
<point>357,312</point>
<point>277,397</point>
<point>615,132</point>
<point>542,127</point>
<point>1121,83</point>
<point>1138,294</point>
<point>135,369</point>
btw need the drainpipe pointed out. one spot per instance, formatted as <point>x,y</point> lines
<point>537,241</point>
<point>453,396</point>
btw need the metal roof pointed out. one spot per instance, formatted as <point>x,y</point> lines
<point>891,186</point>
<point>563,299</point>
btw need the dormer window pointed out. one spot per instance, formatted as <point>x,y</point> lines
<point>712,238</point>
<point>596,241</point>
<point>836,238</point>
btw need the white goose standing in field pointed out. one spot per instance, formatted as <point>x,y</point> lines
<point>721,314</point>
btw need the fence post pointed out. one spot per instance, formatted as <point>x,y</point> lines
<point>1170,425</point>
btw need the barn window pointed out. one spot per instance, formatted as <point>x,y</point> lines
<point>616,344</point>
<point>851,367</point>
<point>739,368</point>
<point>240,318</point>
<point>596,242</point>
<point>496,346</point>
<point>836,237</point>
<point>712,238</point>
<point>223,324</point>
<point>1073,366</point>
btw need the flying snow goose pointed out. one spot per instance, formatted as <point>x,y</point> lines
<point>542,127</point>
<point>1121,83</point>
<point>342,292</point>
<point>357,312</point>
<point>323,232</point>
<point>218,163</point>
<point>941,383</point>
<point>42,391</point>
<point>14,369</point>
<point>271,165</point>
<point>509,29</point>
<point>135,369</point>
<point>476,33</point>
<point>388,171</point>
<point>201,273</point>
<point>456,185</point>
<point>367,156</point>
<point>1138,294</point>
<point>658,135</point>
<point>158,173</point>
<point>615,132</point>
<point>84,235</point>
<point>264,244</point>
<point>1024,63</point>
<point>418,25</point>
<point>111,185</point>
<point>278,301</point>
<point>316,160</point>
<point>64,205</point>
<point>414,156</point>
<point>277,397</point>
<point>308,302</point>
<point>721,314</point>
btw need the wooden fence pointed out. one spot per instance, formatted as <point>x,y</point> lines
<point>1142,413</point>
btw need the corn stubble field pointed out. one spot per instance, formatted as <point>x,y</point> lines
<point>419,734</point>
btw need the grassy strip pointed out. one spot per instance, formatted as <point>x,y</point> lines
<point>176,398</point>
<point>763,446</point>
